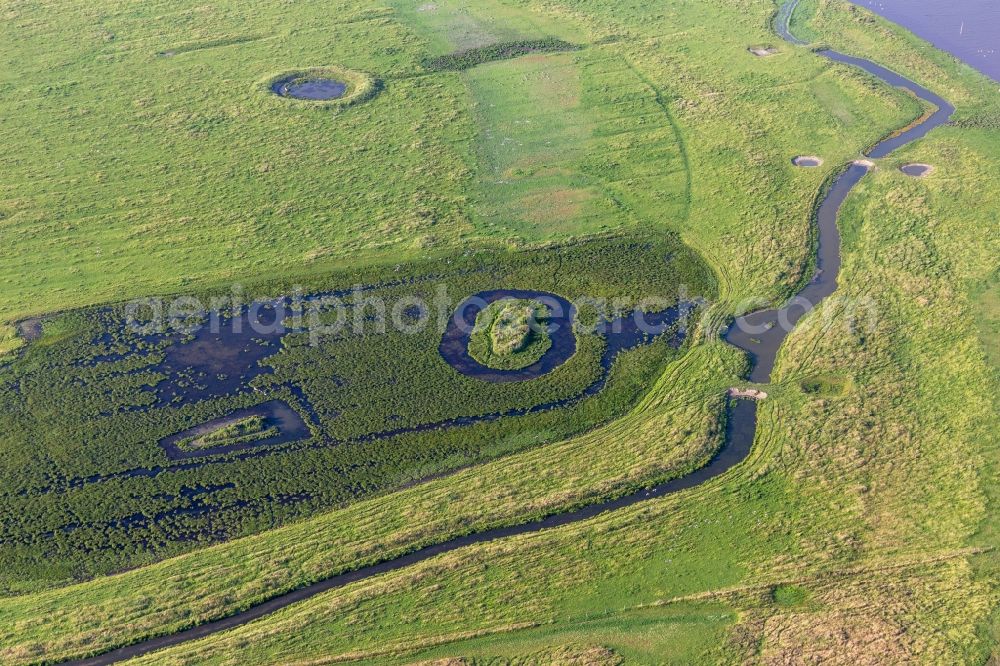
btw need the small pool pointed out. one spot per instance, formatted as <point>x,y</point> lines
<point>278,414</point>
<point>807,161</point>
<point>311,89</point>
<point>916,170</point>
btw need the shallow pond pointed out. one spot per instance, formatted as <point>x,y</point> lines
<point>916,170</point>
<point>807,161</point>
<point>276,413</point>
<point>311,89</point>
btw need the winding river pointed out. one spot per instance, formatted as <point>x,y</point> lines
<point>760,334</point>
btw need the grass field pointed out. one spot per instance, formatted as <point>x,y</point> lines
<point>861,529</point>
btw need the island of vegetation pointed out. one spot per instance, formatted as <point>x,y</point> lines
<point>510,334</point>
<point>229,433</point>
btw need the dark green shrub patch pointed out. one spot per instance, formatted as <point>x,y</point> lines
<point>510,334</point>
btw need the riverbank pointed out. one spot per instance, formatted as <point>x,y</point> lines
<point>967,29</point>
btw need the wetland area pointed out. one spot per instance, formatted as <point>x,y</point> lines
<point>760,334</point>
<point>498,331</point>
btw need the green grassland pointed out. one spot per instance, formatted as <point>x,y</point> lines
<point>862,525</point>
<point>206,179</point>
<point>359,87</point>
<point>149,172</point>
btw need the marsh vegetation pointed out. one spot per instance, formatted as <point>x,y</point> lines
<point>239,431</point>
<point>510,334</point>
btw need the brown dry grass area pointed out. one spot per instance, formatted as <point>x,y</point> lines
<point>887,616</point>
<point>558,206</point>
<point>835,638</point>
<point>30,329</point>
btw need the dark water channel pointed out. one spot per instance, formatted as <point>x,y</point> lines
<point>739,432</point>
<point>761,333</point>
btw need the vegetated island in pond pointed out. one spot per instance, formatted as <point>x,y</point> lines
<point>510,334</point>
<point>235,431</point>
<point>270,423</point>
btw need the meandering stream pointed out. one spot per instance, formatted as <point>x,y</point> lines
<point>769,328</point>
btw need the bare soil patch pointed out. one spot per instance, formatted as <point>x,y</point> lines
<point>30,329</point>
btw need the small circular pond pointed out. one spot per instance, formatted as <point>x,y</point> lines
<point>326,87</point>
<point>807,161</point>
<point>309,88</point>
<point>916,170</point>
